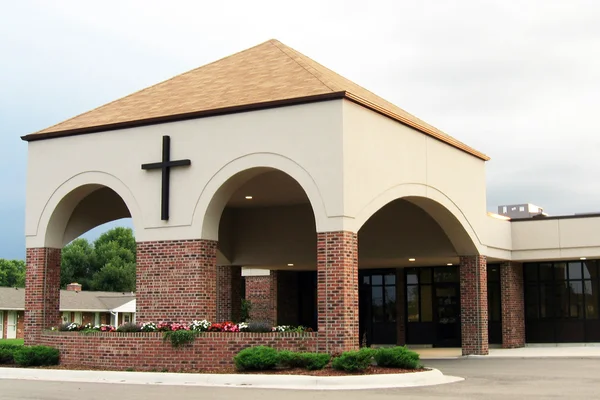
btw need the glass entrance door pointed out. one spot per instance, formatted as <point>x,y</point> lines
<point>377,307</point>
<point>447,314</point>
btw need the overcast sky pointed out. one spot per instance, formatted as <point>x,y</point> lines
<point>517,80</point>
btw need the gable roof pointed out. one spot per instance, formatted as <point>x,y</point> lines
<point>14,299</point>
<point>268,75</point>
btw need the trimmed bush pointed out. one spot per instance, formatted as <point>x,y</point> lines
<point>353,361</point>
<point>314,361</point>
<point>290,359</point>
<point>35,356</point>
<point>7,352</point>
<point>259,358</point>
<point>397,357</point>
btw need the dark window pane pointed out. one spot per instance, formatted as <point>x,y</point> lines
<point>390,279</point>
<point>390,303</point>
<point>576,299</point>
<point>531,274</point>
<point>494,307</point>
<point>377,303</point>
<point>426,275</point>
<point>532,301</point>
<point>412,278</point>
<point>426,305</point>
<point>546,300</point>
<point>561,296</point>
<point>366,280</point>
<point>493,273</point>
<point>445,274</point>
<point>412,303</point>
<point>546,272</point>
<point>575,270</point>
<point>590,269</point>
<point>560,271</point>
<point>591,299</point>
<point>377,280</point>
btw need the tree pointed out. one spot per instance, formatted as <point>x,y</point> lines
<point>12,273</point>
<point>107,264</point>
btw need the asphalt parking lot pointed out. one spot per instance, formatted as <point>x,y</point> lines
<point>557,378</point>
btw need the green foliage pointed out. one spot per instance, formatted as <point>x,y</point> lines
<point>7,352</point>
<point>245,310</point>
<point>180,337</point>
<point>259,326</point>
<point>107,264</point>
<point>353,361</point>
<point>129,327</point>
<point>397,357</point>
<point>257,358</point>
<point>34,356</point>
<point>12,273</point>
<point>310,361</point>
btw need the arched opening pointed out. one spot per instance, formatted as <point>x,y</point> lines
<point>409,277</point>
<point>86,274</point>
<point>266,246</point>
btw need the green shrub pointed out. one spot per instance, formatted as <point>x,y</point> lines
<point>397,357</point>
<point>245,310</point>
<point>290,359</point>
<point>7,352</point>
<point>180,337</point>
<point>314,361</point>
<point>257,358</point>
<point>34,356</point>
<point>353,361</point>
<point>259,326</point>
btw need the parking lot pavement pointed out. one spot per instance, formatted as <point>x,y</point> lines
<point>490,378</point>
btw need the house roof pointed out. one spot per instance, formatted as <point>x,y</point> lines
<point>268,75</point>
<point>14,299</point>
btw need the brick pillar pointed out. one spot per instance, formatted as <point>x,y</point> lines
<point>400,307</point>
<point>261,292</point>
<point>337,291</point>
<point>228,293</point>
<point>176,280</point>
<point>473,301</point>
<point>513,305</point>
<point>42,291</point>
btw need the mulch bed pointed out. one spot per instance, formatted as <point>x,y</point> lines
<point>327,371</point>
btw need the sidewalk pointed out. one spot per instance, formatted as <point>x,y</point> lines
<point>589,350</point>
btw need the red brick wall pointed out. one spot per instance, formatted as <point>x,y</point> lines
<point>337,287</point>
<point>261,292</point>
<point>228,293</point>
<point>148,351</point>
<point>176,280</point>
<point>513,305</point>
<point>473,301</point>
<point>42,291</point>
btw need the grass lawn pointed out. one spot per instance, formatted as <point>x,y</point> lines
<point>11,341</point>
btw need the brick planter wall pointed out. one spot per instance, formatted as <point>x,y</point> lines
<point>513,305</point>
<point>261,292</point>
<point>337,291</point>
<point>42,291</point>
<point>473,304</point>
<point>148,351</point>
<point>176,280</point>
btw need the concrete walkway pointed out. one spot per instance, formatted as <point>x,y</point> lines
<point>531,351</point>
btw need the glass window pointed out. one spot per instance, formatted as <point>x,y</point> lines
<point>366,280</point>
<point>390,279</point>
<point>412,278</point>
<point>377,280</point>
<point>426,275</point>
<point>377,303</point>
<point>390,303</point>
<point>591,299</point>
<point>576,299</point>
<point>575,270</point>
<point>546,300</point>
<point>531,274</point>
<point>546,272</point>
<point>532,301</point>
<point>494,307</point>
<point>560,271</point>
<point>426,304</point>
<point>445,274</point>
<point>590,269</point>
<point>412,303</point>
<point>561,295</point>
<point>493,273</point>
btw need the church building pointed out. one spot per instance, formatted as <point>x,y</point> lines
<point>269,176</point>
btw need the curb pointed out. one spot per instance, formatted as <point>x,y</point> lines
<point>295,382</point>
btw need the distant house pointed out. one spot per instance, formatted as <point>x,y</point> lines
<point>82,307</point>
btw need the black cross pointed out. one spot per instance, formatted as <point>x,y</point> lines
<point>165,165</point>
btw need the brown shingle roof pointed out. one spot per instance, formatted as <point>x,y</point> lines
<point>263,76</point>
<point>14,299</point>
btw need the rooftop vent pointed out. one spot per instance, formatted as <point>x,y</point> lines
<point>520,211</point>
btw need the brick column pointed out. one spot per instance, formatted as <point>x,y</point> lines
<point>261,292</point>
<point>337,290</point>
<point>473,301</point>
<point>176,280</point>
<point>42,291</point>
<point>400,307</point>
<point>228,293</point>
<point>513,305</point>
